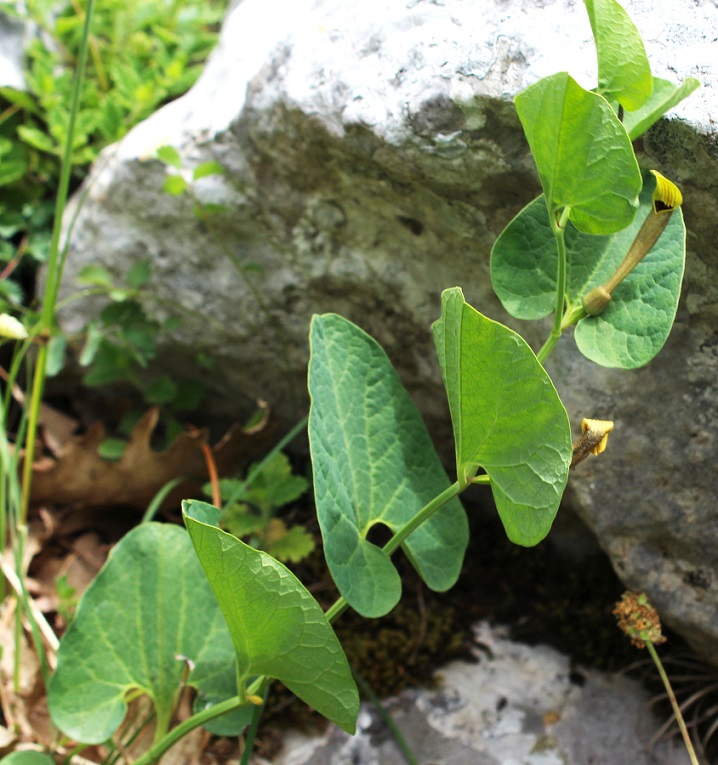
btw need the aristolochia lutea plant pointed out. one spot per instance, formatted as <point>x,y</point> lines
<point>602,250</point>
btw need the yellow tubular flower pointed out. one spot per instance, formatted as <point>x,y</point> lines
<point>666,198</point>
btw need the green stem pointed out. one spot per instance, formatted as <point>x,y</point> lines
<point>559,228</point>
<point>426,512</point>
<point>38,387</point>
<point>254,725</point>
<point>200,718</point>
<point>55,265</point>
<point>672,698</point>
<point>160,497</point>
<point>385,715</point>
<point>341,605</point>
<point>259,467</point>
<point>332,614</point>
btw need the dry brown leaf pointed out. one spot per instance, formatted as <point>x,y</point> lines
<point>188,750</point>
<point>7,739</point>
<point>80,476</point>
<point>79,564</point>
<point>25,710</point>
<point>56,426</point>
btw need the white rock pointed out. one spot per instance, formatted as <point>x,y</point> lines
<point>517,706</point>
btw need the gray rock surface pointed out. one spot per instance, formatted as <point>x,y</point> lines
<point>517,706</point>
<point>373,155</point>
<point>12,45</point>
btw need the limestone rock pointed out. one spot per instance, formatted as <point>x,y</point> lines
<point>12,34</point>
<point>372,156</point>
<point>519,704</point>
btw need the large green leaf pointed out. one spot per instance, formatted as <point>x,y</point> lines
<point>636,323</point>
<point>524,260</point>
<point>507,417</point>
<point>278,628</point>
<point>374,463</point>
<point>148,607</point>
<point>665,96</point>
<point>582,152</point>
<point>624,73</point>
<point>27,758</point>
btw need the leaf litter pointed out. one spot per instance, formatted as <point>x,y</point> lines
<point>81,504</point>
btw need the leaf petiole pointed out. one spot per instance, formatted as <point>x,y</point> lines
<point>258,687</point>
<point>559,229</point>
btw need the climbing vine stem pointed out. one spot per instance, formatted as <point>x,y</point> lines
<point>558,226</point>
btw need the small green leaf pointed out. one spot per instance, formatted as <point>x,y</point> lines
<point>38,245</point>
<point>175,185</point>
<point>37,139</point>
<point>27,758</point>
<point>583,154</point>
<point>56,355</point>
<point>206,169</point>
<point>112,449</point>
<point>294,546</point>
<point>13,162</point>
<point>507,417</point>
<point>162,391</point>
<point>665,96</point>
<point>149,606</point>
<point>11,291</point>
<point>211,208</point>
<point>239,522</point>
<point>139,274</point>
<point>93,338</point>
<point>277,627</point>
<point>120,295</point>
<point>624,73</point>
<point>170,156</point>
<point>95,275</point>
<point>374,463</point>
<point>19,97</point>
<point>230,489</point>
<point>275,486</point>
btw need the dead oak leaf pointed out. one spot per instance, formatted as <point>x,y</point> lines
<point>80,476</point>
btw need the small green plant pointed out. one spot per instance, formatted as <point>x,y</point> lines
<point>142,53</point>
<point>68,598</point>
<point>121,343</point>
<point>151,623</point>
<point>249,509</point>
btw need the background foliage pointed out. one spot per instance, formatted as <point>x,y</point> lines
<point>143,53</point>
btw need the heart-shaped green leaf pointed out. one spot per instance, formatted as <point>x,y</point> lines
<point>624,73</point>
<point>582,152</point>
<point>507,417</point>
<point>149,612</point>
<point>665,96</point>
<point>278,629</point>
<point>634,327</point>
<point>524,260</point>
<point>374,463</point>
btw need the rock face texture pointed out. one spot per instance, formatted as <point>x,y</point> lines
<point>11,53</point>
<point>372,155</point>
<point>520,705</point>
